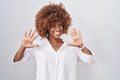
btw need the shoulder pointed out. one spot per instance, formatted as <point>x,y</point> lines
<point>39,40</point>
<point>42,42</point>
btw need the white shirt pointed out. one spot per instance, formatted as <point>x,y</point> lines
<point>52,65</point>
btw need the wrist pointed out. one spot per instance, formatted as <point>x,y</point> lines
<point>81,47</point>
<point>23,47</point>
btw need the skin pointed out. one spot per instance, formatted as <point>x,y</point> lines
<point>53,37</point>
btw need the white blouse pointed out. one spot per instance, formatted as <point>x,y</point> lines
<point>52,65</point>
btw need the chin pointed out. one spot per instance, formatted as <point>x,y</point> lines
<point>57,36</point>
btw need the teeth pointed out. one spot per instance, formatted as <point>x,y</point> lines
<point>57,33</point>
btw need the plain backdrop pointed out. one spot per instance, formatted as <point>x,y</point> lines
<point>98,21</point>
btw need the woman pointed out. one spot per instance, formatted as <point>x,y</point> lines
<point>55,59</point>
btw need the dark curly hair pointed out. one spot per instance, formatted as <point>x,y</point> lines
<point>48,15</point>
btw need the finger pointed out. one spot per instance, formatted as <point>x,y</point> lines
<point>32,34</point>
<point>75,31</point>
<point>34,45</point>
<point>34,37</point>
<point>25,34</point>
<point>78,33</point>
<point>29,33</point>
<point>72,32</point>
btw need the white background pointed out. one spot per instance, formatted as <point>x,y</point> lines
<point>98,21</point>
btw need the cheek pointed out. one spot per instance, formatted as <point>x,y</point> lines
<point>50,31</point>
<point>61,28</point>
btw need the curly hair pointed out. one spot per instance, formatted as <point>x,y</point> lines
<point>48,15</point>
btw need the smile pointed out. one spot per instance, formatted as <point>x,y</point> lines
<point>57,33</point>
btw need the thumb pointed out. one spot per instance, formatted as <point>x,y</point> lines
<point>70,44</point>
<point>35,45</point>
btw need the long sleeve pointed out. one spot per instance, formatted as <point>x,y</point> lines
<point>85,57</point>
<point>27,56</point>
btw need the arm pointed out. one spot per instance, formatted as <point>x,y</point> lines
<point>86,54</point>
<point>85,50</point>
<point>27,42</point>
<point>77,41</point>
<point>19,54</point>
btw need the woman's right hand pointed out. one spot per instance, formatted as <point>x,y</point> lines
<point>28,39</point>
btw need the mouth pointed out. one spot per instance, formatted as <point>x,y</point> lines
<point>57,33</point>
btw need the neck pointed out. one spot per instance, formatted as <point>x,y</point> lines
<point>54,40</point>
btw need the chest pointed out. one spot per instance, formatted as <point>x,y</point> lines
<point>64,55</point>
<point>57,46</point>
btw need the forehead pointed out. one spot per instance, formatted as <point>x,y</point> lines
<point>56,22</point>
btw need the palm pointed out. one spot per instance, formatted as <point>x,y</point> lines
<point>28,39</point>
<point>77,39</point>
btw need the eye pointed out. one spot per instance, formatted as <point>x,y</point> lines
<point>52,26</point>
<point>60,25</point>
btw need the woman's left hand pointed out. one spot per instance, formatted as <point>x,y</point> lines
<point>77,39</point>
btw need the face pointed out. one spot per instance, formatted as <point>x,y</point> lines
<point>56,30</point>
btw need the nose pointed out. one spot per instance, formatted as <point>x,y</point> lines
<point>57,28</point>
